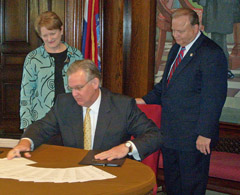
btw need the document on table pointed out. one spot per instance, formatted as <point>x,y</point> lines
<point>8,143</point>
<point>19,169</point>
<point>4,162</point>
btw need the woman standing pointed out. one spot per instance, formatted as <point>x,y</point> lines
<point>44,71</point>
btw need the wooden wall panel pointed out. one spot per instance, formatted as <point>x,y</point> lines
<point>43,5</point>
<point>73,22</point>
<point>16,26</point>
<point>11,65</point>
<point>140,70</point>
<point>113,45</point>
<point>11,20</point>
<point>17,39</point>
<point>129,45</point>
<point>9,109</point>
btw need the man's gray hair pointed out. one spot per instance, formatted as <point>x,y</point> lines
<point>88,66</point>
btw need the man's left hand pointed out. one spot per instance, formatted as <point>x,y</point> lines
<point>203,144</point>
<point>116,152</point>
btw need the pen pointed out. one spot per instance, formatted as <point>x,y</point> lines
<point>111,165</point>
<point>106,164</point>
<point>22,153</point>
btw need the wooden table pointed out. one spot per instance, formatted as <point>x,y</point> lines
<point>132,178</point>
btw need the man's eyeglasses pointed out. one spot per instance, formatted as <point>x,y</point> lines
<point>78,87</point>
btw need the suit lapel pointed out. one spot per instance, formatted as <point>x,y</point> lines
<point>187,58</point>
<point>104,119</point>
<point>172,54</point>
<point>77,120</point>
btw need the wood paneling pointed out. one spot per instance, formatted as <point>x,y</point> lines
<point>129,46</point>
<point>9,109</point>
<point>140,69</point>
<point>17,39</point>
<point>113,45</point>
<point>73,22</point>
<point>11,20</point>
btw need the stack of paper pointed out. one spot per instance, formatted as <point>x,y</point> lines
<point>8,143</point>
<point>18,169</point>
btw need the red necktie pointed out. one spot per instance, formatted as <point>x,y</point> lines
<point>177,61</point>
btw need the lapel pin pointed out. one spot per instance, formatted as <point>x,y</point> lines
<point>191,54</point>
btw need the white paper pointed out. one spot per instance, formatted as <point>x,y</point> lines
<point>8,143</point>
<point>18,168</point>
<point>32,174</point>
<point>4,162</point>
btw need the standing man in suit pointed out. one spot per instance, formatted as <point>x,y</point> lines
<point>192,98</point>
<point>114,118</point>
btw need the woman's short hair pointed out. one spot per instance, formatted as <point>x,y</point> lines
<point>88,66</point>
<point>50,20</point>
<point>194,19</point>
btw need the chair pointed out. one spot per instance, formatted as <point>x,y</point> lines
<point>153,112</point>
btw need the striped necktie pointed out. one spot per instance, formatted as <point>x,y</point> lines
<point>177,61</point>
<point>87,130</point>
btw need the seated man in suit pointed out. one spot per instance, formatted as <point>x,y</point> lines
<point>114,118</point>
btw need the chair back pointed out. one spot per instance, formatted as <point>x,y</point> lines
<point>153,112</point>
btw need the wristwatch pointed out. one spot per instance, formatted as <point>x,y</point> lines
<point>129,146</point>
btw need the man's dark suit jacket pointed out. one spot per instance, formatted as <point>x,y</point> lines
<point>192,101</point>
<point>119,118</point>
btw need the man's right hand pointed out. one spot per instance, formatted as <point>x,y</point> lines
<point>140,101</point>
<point>23,146</point>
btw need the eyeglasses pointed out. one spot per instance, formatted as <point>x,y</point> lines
<point>78,87</point>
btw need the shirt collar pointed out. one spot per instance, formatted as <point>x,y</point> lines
<point>190,44</point>
<point>95,106</point>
